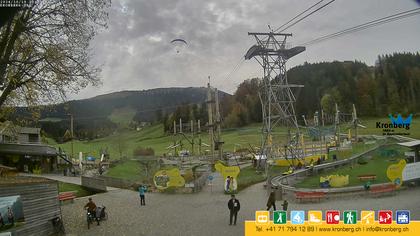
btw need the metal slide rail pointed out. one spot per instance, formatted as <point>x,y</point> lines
<point>278,181</point>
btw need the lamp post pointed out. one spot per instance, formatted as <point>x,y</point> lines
<point>72,135</point>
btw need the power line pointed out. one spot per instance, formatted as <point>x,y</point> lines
<point>235,68</point>
<point>298,16</point>
<point>238,66</point>
<point>306,16</point>
<point>370,24</point>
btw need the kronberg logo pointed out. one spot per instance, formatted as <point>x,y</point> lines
<point>396,126</point>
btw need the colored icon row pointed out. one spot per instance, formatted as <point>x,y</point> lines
<point>334,217</point>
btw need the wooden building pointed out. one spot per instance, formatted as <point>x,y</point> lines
<point>21,147</point>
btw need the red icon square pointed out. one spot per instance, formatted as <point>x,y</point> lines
<point>385,217</point>
<point>332,217</point>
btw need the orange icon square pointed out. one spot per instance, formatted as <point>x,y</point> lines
<point>262,217</point>
<point>367,217</point>
<point>315,217</point>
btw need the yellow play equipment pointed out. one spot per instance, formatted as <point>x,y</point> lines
<point>306,161</point>
<point>335,181</point>
<point>164,179</point>
<point>308,152</point>
<point>232,171</point>
<point>395,172</point>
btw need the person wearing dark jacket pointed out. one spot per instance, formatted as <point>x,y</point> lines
<point>10,216</point>
<point>234,206</point>
<point>91,207</point>
<point>1,221</point>
<point>271,201</point>
<point>284,205</point>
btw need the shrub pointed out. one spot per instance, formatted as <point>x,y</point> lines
<point>362,161</point>
<point>188,176</point>
<point>143,151</point>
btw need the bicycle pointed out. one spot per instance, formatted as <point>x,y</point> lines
<point>58,226</point>
<point>90,217</point>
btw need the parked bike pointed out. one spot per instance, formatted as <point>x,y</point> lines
<point>99,215</point>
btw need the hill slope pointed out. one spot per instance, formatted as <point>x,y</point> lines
<point>144,103</point>
<point>102,115</point>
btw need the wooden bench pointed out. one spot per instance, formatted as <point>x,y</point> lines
<point>366,177</point>
<point>64,196</point>
<point>383,189</point>
<point>309,195</point>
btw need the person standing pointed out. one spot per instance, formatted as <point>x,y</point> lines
<point>231,186</point>
<point>234,206</point>
<point>234,184</point>
<point>271,202</point>
<point>284,205</point>
<point>227,183</point>
<point>142,191</point>
<point>10,216</point>
<point>1,221</point>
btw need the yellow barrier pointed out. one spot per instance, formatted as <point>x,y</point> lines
<point>308,159</point>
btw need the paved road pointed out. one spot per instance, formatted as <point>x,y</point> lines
<point>204,213</point>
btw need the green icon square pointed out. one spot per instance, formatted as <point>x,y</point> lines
<point>350,217</point>
<point>279,217</point>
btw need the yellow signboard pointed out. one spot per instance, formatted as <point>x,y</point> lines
<point>336,181</point>
<point>232,171</point>
<point>229,173</point>
<point>164,179</point>
<point>395,172</point>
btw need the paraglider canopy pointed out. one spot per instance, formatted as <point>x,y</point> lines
<point>179,40</point>
<point>179,44</point>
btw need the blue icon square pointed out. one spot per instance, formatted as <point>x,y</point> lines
<point>297,217</point>
<point>402,217</point>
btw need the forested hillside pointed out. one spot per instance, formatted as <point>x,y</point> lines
<point>391,86</point>
<point>102,115</point>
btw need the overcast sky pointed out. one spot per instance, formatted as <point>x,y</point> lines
<point>135,51</point>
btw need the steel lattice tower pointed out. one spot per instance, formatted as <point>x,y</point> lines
<point>276,95</point>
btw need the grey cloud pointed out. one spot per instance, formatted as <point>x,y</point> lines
<point>136,54</point>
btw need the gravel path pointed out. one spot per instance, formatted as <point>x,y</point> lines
<point>204,213</point>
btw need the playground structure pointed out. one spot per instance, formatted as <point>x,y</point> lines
<point>382,178</point>
<point>320,136</point>
<point>189,132</point>
<point>186,133</point>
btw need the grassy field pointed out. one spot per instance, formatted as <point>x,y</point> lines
<point>80,191</point>
<point>154,137</point>
<point>250,176</point>
<point>127,170</point>
<point>356,148</point>
<point>123,143</point>
<point>132,170</point>
<point>122,116</point>
<point>377,164</point>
